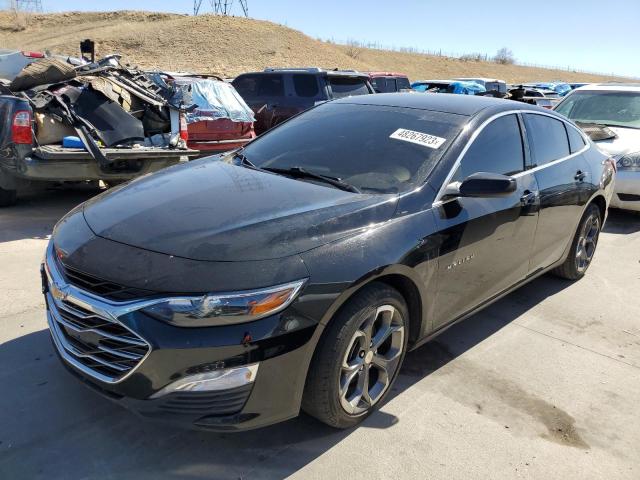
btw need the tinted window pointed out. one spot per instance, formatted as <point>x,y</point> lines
<point>391,85</point>
<point>403,83</point>
<point>345,87</point>
<point>306,85</point>
<point>497,149</point>
<point>353,142</point>
<point>247,86</point>
<point>271,86</point>
<point>576,141</point>
<point>548,138</point>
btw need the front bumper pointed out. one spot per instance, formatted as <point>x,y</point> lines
<point>627,191</point>
<point>161,354</point>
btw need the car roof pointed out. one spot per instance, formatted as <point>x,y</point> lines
<point>458,104</point>
<point>611,87</point>
<point>484,79</point>
<point>434,81</point>
<point>310,70</point>
<point>386,74</point>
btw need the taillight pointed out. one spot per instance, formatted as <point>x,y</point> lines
<point>33,54</point>
<point>21,128</point>
<point>184,132</point>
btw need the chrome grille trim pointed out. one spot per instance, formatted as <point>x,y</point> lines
<point>114,351</point>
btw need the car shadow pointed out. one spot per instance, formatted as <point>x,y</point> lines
<point>622,222</point>
<point>53,425</point>
<point>38,210</point>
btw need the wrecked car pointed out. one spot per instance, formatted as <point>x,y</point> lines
<point>221,120</point>
<point>97,121</point>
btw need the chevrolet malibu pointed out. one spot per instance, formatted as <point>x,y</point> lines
<point>231,292</point>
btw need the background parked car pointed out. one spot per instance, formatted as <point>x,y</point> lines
<point>389,82</point>
<point>457,87</point>
<point>610,114</point>
<point>560,88</point>
<point>534,96</point>
<point>497,88</point>
<point>222,120</point>
<point>277,94</point>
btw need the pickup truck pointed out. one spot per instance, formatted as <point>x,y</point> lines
<point>23,162</point>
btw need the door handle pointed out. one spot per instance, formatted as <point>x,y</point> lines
<point>528,198</point>
<point>580,176</point>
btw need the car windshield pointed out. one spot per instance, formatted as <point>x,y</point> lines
<point>377,149</point>
<point>618,109</point>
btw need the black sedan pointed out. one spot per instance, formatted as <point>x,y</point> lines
<point>230,292</point>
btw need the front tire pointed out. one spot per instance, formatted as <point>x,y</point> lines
<point>358,357</point>
<point>583,246</point>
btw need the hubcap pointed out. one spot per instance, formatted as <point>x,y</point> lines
<point>587,242</point>
<point>371,360</point>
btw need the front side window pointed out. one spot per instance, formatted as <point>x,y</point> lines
<point>306,85</point>
<point>271,86</point>
<point>614,109</point>
<point>548,138</point>
<point>247,86</point>
<point>378,149</point>
<point>347,87</point>
<point>497,149</point>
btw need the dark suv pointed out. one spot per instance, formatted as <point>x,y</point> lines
<point>278,94</point>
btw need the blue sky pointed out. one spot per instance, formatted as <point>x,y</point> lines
<point>592,35</point>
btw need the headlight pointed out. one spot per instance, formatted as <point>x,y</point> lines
<point>630,161</point>
<point>224,308</point>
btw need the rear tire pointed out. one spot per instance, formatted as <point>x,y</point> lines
<point>7,197</point>
<point>358,358</point>
<point>583,246</point>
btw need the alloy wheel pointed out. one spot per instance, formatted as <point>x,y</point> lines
<point>371,360</point>
<point>587,242</point>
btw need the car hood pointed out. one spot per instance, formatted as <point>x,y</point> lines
<point>214,211</point>
<point>627,141</point>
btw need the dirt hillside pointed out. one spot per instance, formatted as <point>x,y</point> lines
<point>229,46</point>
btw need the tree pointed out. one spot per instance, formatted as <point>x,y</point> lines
<point>504,56</point>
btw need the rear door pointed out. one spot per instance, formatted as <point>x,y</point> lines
<point>563,178</point>
<point>264,93</point>
<point>486,242</point>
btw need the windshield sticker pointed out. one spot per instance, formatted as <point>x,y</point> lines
<point>420,138</point>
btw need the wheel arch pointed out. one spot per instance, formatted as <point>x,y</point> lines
<point>400,277</point>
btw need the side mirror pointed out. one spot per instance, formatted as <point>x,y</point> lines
<point>481,184</point>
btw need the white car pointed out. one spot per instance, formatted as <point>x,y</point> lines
<point>610,114</point>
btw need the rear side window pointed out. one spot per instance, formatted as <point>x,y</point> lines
<point>548,138</point>
<point>391,85</point>
<point>497,149</point>
<point>346,87</point>
<point>306,85</point>
<point>403,83</point>
<point>576,141</point>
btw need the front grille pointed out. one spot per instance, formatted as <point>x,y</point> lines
<point>103,288</point>
<point>103,347</point>
<point>629,197</point>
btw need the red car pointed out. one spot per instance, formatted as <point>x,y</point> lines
<point>389,82</point>
<point>222,120</point>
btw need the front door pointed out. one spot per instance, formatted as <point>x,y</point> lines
<point>486,242</point>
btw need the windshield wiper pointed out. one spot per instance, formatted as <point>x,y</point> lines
<point>299,172</point>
